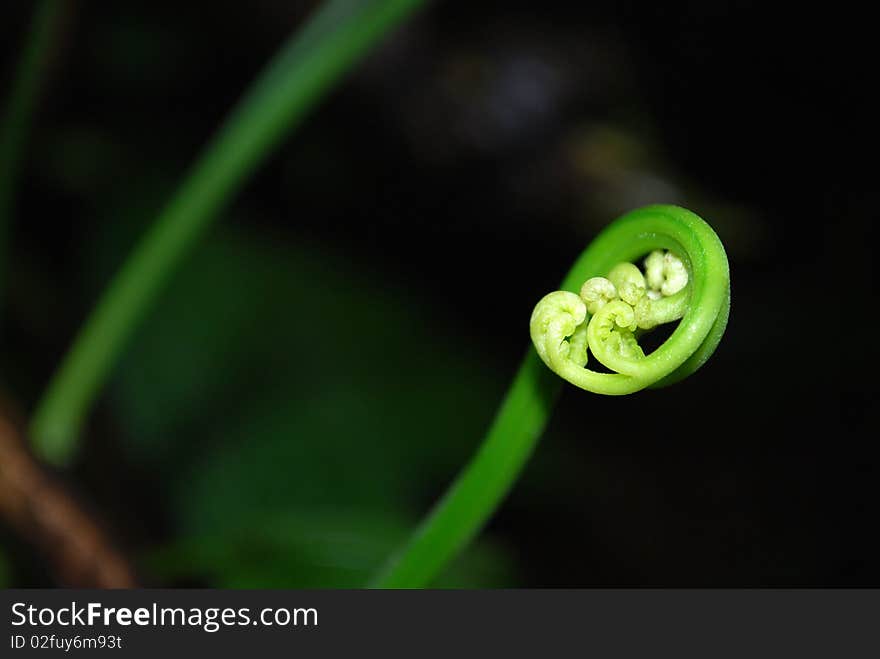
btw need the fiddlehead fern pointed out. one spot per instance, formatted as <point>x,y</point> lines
<point>686,278</point>
<point>605,303</point>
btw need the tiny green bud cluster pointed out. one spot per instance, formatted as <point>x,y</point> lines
<point>656,297</point>
<point>606,314</point>
<point>665,273</point>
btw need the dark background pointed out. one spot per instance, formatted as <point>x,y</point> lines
<point>333,351</point>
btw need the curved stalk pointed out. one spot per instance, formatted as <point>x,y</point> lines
<point>332,41</point>
<point>481,486</point>
<point>561,329</point>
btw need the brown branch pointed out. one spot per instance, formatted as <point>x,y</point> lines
<point>41,510</point>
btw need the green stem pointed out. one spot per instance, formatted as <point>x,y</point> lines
<point>15,124</point>
<point>332,41</point>
<point>482,485</point>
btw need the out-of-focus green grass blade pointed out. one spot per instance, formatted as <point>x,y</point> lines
<point>286,455</point>
<point>331,42</point>
<point>16,118</point>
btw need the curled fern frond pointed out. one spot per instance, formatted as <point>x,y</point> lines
<point>686,278</point>
<point>605,305</point>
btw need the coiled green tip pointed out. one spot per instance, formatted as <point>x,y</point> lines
<point>686,278</point>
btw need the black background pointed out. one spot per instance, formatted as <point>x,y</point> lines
<point>759,470</point>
